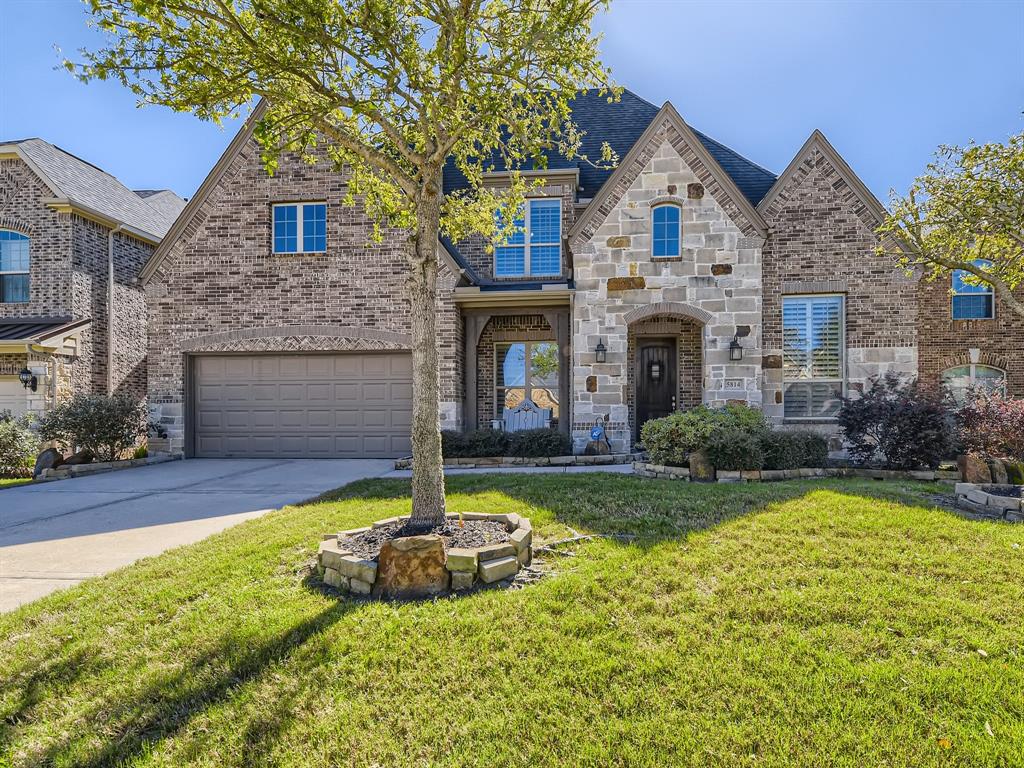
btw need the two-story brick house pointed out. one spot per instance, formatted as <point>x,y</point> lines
<point>686,275</point>
<point>72,241</point>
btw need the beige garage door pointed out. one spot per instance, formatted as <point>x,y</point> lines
<point>303,406</point>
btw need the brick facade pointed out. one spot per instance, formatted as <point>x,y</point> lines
<point>68,278</point>
<point>222,276</point>
<point>946,343</point>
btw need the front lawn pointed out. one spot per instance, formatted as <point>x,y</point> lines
<point>7,482</point>
<point>799,623</point>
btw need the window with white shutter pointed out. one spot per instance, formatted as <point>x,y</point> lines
<point>813,356</point>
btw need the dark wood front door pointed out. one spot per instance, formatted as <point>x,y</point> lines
<point>655,379</point>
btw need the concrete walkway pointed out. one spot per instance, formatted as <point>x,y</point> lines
<point>54,535</point>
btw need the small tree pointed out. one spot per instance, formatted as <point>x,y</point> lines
<point>965,213</point>
<point>390,90</point>
<point>106,426</point>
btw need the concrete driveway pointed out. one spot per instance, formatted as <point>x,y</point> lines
<point>54,535</point>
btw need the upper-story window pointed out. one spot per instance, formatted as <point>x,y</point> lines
<point>535,249</point>
<point>14,262</point>
<point>300,228</point>
<point>667,231</point>
<point>813,356</point>
<point>972,302</point>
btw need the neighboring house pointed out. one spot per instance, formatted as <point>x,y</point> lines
<point>72,241</point>
<point>687,275</point>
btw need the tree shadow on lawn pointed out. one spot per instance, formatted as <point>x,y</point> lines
<point>633,508</point>
<point>136,724</point>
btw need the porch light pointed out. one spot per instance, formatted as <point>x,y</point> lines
<point>735,350</point>
<point>28,379</point>
<point>601,351</point>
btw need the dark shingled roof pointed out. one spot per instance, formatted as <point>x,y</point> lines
<point>621,124</point>
<point>34,328</point>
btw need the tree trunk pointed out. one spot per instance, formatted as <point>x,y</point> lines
<point>428,507</point>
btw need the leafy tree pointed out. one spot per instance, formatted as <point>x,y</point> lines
<point>107,426</point>
<point>389,90</point>
<point>966,213</point>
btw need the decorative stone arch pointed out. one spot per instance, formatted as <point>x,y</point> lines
<point>327,337</point>
<point>668,309</point>
<point>964,358</point>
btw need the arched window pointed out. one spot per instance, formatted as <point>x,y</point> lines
<point>972,302</point>
<point>964,378</point>
<point>13,267</point>
<point>668,234</point>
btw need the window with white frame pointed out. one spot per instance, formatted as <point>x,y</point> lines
<point>535,248</point>
<point>14,267</point>
<point>526,370</point>
<point>300,228</point>
<point>964,379</point>
<point>972,302</point>
<point>666,231</point>
<point>813,356</point>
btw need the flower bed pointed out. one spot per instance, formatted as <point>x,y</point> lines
<point>521,461</point>
<point>665,472</point>
<point>430,568</point>
<point>67,471</point>
<point>999,502</point>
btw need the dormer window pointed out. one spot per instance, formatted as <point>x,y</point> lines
<point>300,228</point>
<point>535,250</point>
<point>14,267</point>
<point>667,232</point>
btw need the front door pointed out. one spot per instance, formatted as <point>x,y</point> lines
<point>655,379</point>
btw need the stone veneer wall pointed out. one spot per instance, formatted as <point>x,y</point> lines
<point>822,241</point>
<point>503,328</point>
<point>718,279</point>
<point>946,343</point>
<point>221,276</point>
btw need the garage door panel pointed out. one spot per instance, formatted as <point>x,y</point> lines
<point>342,406</point>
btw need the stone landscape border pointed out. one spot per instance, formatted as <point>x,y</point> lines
<point>347,572</point>
<point>527,461</point>
<point>664,472</point>
<point>979,499</point>
<point>68,471</point>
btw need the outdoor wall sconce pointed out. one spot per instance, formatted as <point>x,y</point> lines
<point>601,351</point>
<point>735,350</point>
<point>28,379</point>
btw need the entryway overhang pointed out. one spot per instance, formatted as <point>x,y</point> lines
<point>497,296</point>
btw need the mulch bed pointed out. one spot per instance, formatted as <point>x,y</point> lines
<point>474,533</point>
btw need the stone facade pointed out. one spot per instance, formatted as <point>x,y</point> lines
<point>715,285</point>
<point>69,279</point>
<point>221,276</point>
<point>947,343</point>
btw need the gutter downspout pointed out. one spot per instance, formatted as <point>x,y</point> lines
<point>110,308</point>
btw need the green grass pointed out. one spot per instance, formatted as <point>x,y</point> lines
<point>825,623</point>
<point>8,482</point>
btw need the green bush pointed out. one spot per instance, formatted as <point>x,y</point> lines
<point>672,439</point>
<point>106,426</point>
<point>733,448</point>
<point>18,443</point>
<point>453,444</point>
<point>793,450</point>
<point>486,442</point>
<point>543,442</point>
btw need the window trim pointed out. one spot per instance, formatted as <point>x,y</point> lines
<point>27,271</point>
<point>842,356</point>
<point>299,206</point>
<point>527,385</point>
<point>679,208</point>
<point>953,294</point>
<point>526,245</point>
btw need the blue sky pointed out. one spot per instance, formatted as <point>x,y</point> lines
<point>885,81</point>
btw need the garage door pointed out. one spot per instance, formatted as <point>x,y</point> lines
<point>13,396</point>
<point>303,406</point>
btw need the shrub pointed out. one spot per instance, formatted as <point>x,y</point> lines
<point>539,442</point>
<point>671,439</point>
<point>18,443</point>
<point>993,424</point>
<point>453,444</point>
<point>733,448</point>
<point>486,442</point>
<point>793,450</point>
<point>107,426</point>
<point>903,424</point>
